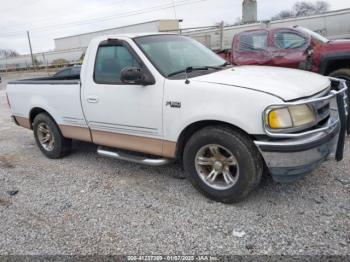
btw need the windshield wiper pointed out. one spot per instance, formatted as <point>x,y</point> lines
<point>191,69</point>
<point>225,64</point>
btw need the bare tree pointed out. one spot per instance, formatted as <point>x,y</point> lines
<point>6,53</point>
<point>321,7</point>
<point>282,15</point>
<point>303,8</point>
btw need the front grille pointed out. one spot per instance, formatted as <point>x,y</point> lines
<point>322,109</point>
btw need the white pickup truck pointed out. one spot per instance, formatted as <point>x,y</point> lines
<point>156,98</point>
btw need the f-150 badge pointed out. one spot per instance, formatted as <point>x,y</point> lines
<point>173,104</point>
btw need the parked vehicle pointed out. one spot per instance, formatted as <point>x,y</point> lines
<point>295,47</point>
<point>68,73</point>
<point>170,98</point>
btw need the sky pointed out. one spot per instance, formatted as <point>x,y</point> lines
<point>50,19</point>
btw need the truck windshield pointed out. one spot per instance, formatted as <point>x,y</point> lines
<point>173,54</point>
<point>314,35</point>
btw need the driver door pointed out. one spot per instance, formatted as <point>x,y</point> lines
<point>127,116</point>
<point>289,48</point>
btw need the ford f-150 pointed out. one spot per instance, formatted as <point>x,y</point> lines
<point>155,98</point>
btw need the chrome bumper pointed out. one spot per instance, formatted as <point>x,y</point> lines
<point>288,160</point>
<point>291,156</point>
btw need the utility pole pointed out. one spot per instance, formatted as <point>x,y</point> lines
<point>31,51</point>
<point>221,35</point>
<point>174,7</point>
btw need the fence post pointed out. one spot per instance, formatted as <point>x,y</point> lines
<point>5,64</point>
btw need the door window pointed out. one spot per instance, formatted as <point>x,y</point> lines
<point>288,40</point>
<point>253,41</point>
<point>110,61</point>
<point>62,73</point>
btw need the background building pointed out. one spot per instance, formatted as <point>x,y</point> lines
<point>83,40</point>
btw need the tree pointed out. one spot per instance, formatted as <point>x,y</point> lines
<point>303,8</point>
<point>282,15</point>
<point>6,53</point>
<point>321,7</point>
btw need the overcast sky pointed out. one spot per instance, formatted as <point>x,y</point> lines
<point>49,19</point>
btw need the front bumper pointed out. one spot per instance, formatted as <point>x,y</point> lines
<point>294,156</point>
<point>289,160</point>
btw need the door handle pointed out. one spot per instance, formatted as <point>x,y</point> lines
<point>92,99</point>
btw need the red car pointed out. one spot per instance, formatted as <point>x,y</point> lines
<point>296,47</point>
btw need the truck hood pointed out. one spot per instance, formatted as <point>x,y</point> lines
<point>340,45</point>
<point>287,84</point>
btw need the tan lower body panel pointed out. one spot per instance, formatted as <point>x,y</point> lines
<point>78,133</point>
<point>169,149</point>
<point>134,143</point>
<point>23,122</point>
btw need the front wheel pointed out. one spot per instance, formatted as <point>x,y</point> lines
<point>49,138</point>
<point>222,163</point>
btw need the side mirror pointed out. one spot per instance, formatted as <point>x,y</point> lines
<point>133,75</point>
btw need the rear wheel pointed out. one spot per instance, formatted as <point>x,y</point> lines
<point>222,163</point>
<point>49,138</point>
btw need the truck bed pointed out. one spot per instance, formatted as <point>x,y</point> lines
<point>60,98</point>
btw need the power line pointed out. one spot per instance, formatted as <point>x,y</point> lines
<point>111,3</point>
<point>19,4</point>
<point>106,18</point>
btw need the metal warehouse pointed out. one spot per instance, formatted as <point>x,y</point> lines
<point>83,40</point>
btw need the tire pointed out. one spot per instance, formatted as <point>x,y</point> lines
<point>343,74</point>
<point>241,159</point>
<point>45,131</point>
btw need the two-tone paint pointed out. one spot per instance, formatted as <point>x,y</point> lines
<point>154,118</point>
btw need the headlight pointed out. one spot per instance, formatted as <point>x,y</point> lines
<point>290,117</point>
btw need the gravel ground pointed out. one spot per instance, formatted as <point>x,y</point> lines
<point>86,204</point>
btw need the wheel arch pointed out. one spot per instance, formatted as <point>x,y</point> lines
<point>332,63</point>
<point>190,129</point>
<point>36,111</point>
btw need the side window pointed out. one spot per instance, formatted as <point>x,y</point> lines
<point>63,73</point>
<point>288,40</point>
<point>110,61</point>
<point>76,70</point>
<point>253,41</point>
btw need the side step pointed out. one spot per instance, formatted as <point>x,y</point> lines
<point>133,158</point>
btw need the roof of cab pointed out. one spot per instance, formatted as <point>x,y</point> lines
<point>134,35</point>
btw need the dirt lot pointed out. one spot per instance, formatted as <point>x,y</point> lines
<point>86,204</point>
